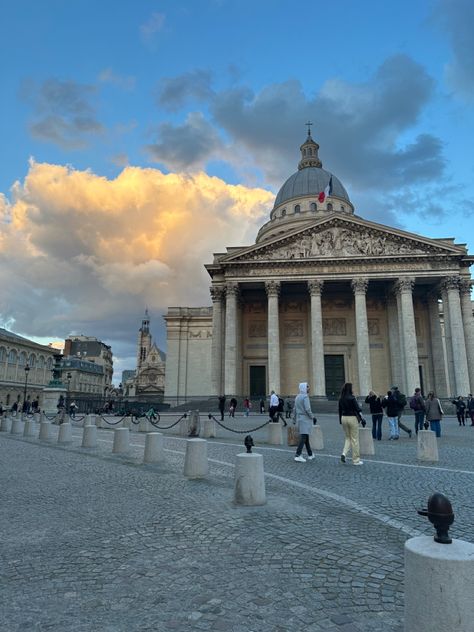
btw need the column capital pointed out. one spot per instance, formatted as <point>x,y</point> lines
<point>232,289</point>
<point>217,293</point>
<point>315,287</point>
<point>272,288</point>
<point>405,284</point>
<point>360,285</point>
<point>451,283</point>
<point>465,286</point>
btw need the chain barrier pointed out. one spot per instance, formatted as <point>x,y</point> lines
<point>136,421</point>
<point>168,427</point>
<point>111,423</point>
<point>211,416</point>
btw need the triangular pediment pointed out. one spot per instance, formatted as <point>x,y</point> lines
<point>340,236</point>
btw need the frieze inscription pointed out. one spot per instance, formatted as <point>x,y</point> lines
<point>257,329</point>
<point>334,326</point>
<point>293,329</point>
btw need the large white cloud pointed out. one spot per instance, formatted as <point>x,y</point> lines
<point>82,253</point>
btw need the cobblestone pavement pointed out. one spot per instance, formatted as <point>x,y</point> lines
<point>97,542</point>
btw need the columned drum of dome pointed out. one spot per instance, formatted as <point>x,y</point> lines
<point>325,295</point>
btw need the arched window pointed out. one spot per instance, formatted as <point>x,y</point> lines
<point>313,206</point>
<point>304,152</point>
<point>49,363</point>
<point>283,212</point>
<point>22,359</point>
<point>343,208</point>
<point>12,357</point>
<point>3,354</point>
<point>32,361</point>
<point>41,362</point>
<point>329,206</point>
<point>297,208</point>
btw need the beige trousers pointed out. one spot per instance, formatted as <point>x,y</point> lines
<point>350,426</point>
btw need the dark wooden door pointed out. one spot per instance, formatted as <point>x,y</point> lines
<point>258,381</point>
<point>335,376</point>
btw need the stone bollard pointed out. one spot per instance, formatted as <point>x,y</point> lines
<point>275,433</point>
<point>37,417</point>
<point>366,441</point>
<point>427,447</point>
<point>195,460</point>
<point>93,419</point>
<point>154,450</point>
<point>6,424</point>
<point>144,425</point>
<point>209,428</point>
<point>45,431</point>
<point>99,422</point>
<point>89,437</point>
<point>65,433</point>
<point>316,439</point>
<point>183,426</point>
<point>249,488</point>
<point>42,416</point>
<point>121,441</point>
<point>17,426</point>
<point>438,582</point>
<point>30,428</point>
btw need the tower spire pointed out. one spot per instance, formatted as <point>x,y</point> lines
<point>309,152</point>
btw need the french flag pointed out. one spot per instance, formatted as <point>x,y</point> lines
<point>327,191</point>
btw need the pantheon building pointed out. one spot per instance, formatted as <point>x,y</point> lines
<point>326,296</point>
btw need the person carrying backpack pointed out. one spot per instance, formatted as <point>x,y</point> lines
<point>402,402</point>
<point>460,410</point>
<point>418,405</point>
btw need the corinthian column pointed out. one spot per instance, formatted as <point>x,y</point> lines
<point>230,366</point>
<point>440,364</point>
<point>359,287</point>
<point>217,294</point>
<point>404,288</point>
<point>461,374</point>
<point>318,377</point>
<point>468,324</point>
<point>273,291</point>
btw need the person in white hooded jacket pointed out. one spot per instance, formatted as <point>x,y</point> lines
<point>305,419</point>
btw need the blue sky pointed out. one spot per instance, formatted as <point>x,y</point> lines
<point>141,137</point>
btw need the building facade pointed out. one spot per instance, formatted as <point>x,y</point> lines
<point>16,355</point>
<point>326,296</point>
<point>93,350</point>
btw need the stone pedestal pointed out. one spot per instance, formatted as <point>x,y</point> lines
<point>30,428</point>
<point>89,437</point>
<point>209,428</point>
<point>6,424</point>
<point>183,427</point>
<point>37,417</point>
<point>293,435</point>
<point>144,426</point>
<point>438,586</point>
<point>45,431</point>
<point>154,450</point>
<point>51,397</point>
<point>18,426</point>
<point>427,448</point>
<point>275,434</point>
<point>195,460</point>
<point>65,433</point>
<point>316,438</point>
<point>121,441</point>
<point>366,441</point>
<point>249,488</point>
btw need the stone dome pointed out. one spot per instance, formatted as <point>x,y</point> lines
<point>309,181</point>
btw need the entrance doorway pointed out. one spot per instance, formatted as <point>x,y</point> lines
<point>258,381</point>
<point>335,375</point>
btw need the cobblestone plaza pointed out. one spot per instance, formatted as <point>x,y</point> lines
<point>98,542</point>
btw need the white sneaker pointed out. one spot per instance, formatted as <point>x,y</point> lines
<point>359,463</point>
<point>300,459</point>
<point>310,458</point>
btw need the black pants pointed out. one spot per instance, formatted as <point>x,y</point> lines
<point>221,410</point>
<point>461,417</point>
<point>402,426</point>
<point>377,426</point>
<point>304,441</point>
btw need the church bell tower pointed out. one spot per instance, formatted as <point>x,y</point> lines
<point>144,340</point>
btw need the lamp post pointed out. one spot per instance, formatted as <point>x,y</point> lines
<point>68,378</point>
<point>27,370</point>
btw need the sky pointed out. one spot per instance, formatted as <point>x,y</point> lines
<point>140,137</point>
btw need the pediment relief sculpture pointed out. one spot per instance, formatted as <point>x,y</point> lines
<point>343,242</point>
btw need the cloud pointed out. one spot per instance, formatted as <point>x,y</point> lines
<point>188,146</point>
<point>63,113</point>
<point>124,82</point>
<point>83,253</point>
<point>153,25</point>
<point>456,19</point>
<point>174,92</point>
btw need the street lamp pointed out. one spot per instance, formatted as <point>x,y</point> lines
<point>27,370</point>
<point>68,378</point>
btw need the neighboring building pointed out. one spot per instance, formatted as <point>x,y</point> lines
<point>16,354</point>
<point>127,374</point>
<point>92,349</point>
<point>148,381</point>
<point>84,380</point>
<point>326,296</point>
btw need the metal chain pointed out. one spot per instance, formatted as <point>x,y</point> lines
<point>239,431</point>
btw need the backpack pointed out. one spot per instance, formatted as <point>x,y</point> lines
<point>413,403</point>
<point>402,400</point>
<point>281,403</point>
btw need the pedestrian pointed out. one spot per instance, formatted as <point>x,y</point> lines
<point>35,405</point>
<point>221,403</point>
<point>470,407</point>
<point>247,406</point>
<point>434,413</point>
<point>72,410</point>
<point>304,419</point>
<point>14,408</point>
<point>417,403</point>
<point>402,402</point>
<point>460,410</point>
<point>279,411</point>
<point>390,404</point>
<point>232,407</point>
<point>288,408</point>
<point>376,410</point>
<point>262,406</point>
<point>349,417</point>
<point>272,410</point>
<point>1,409</point>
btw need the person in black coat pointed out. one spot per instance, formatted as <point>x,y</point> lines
<point>460,410</point>
<point>222,406</point>
<point>349,417</point>
<point>376,410</point>
<point>390,403</point>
